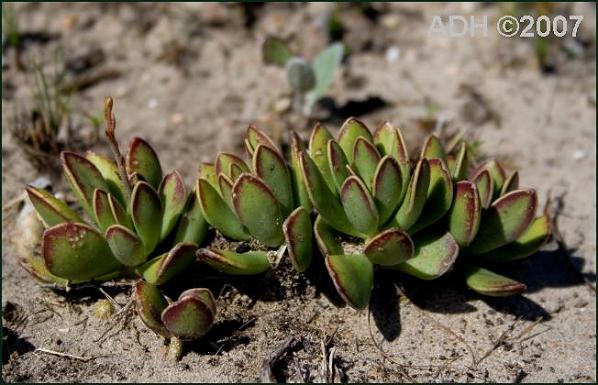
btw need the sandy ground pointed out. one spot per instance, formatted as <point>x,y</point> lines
<point>194,101</point>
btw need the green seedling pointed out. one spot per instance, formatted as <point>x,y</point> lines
<point>309,81</point>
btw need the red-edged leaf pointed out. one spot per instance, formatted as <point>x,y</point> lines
<point>143,160</point>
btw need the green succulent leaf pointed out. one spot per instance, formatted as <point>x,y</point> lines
<point>460,167</point>
<point>150,303</point>
<point>119,213</point>
<point>229,262</point>
<point>109,171</point>
<point>192,227</point>
<point>434,255</point>
<point>415,199</point>
<point>505,221</point>
<point>485,186</point>
<point>258,210</point>
<point>385,139</point>
<point>207,171</point>
<point>465,213</point>
<point>163,268</point>
<point>511,183</point>
<point>491,284</point>
<point>256,136</point>
<point>387,187</point>
<point>204,295</point>
<point>276,51</point>
<point>104,217</point>
<point>272,169</point>
<point>325,238</point>
<point>189,317</point>
<point>173,195</point>
<point>297,231</point>
<point>496,172</point>
<point>125,245</point>
<point>224,162</point>
<point>433,149</point>
<point>390,247</point>
<point>324,65</point>
<point>337,162</point>
<point>146,211</point>
<point>528,243</point>
<point>359,206</point>
<point>322,198</point>
<point>77,252</point>
<point>299,189</point>
<point>51,210</point>
<point>226,189</point>
<point>348,134</point>
<point>143,160</point>
<point>83,177</point>
<point>365,160</point>
<point>217,213</point>
<point>353,278</point>
<point>318,151</point>
<point>439,197</point>
<point>36,266</point>
<point>300,75</point>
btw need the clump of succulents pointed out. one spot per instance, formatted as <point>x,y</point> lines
<point>377,208</point>
<point>135,222</point>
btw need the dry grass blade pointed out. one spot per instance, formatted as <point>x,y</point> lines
<point>267,374</point>
<point>59,354</point>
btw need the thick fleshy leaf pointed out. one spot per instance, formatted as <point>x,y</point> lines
<point>76,251</point>
<point>119,213</point>
<point>325,65</point>
<point>496,172</point>
<point>386,188</point>
<point>226,189</point>
<point>276,51</point>
<point>300,75</point>
<point>465,213</point>
<point>489,283</point>
<point>415,198</point>
<point>189,317</point>
<point>460,166</point>
<point>385,139</point>
<point>104,217</point>
<point>83,177</point>
<point>318,151</point>
<point>434,255</point>
<point>389,248</point>
<point>301,197</point>
<point>173,195</point>
<point>353,277</point>
<point>359,206</point>
<point>143,160</point>
<point>439,197</point>
<point>217,213</point>
<point>258,210</point>
<point>204,295</point>
<point>192,227</point>
<point>365,160</point>
<point>168,265</point>
<point>146,211</point>
<point>225,160</point>
<point>297,231</point>
<point>511,183</point>
<point>326,238</point>
<point>272,169</point>
<point>337,162</point>
<point>485,186</point>
<point>528,243</point>
<point>235,171</point>
<point>126,246</point>
<point>36,266</point>
<point>229,262</point>
<point>348,134</point>
<point>256,136</point>
<point>51,210</point>
<point>207,171</point>
<point>322,198</point>
<point>150,303</point>
<point>109,171</point>
<point>433,149</point>
<point>505,221</point>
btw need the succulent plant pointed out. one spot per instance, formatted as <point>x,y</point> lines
<point>377,208</point>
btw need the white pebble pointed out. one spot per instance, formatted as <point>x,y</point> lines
<point>393,53</point>
<point>578,154</point>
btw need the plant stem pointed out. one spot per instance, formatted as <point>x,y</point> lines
<point>120,160</point>
<point>175,349</point>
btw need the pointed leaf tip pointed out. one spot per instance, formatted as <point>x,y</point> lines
<point>228,262</point>
<point>50,209</point>
<point>353,278</point>
<point>491,284</point>
<point>465,213</point>
<point>143,160</point>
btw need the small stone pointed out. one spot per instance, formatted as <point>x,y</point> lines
<point>152,103</point>
<point>393,53</point>
<point>282,105</point>
<point>177,118</point>
<point>578,154</point>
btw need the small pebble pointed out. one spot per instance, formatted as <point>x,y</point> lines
<point>177,118</point>
<point>578,154</point>
<point>152,103</point>
<point>393,53</point>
